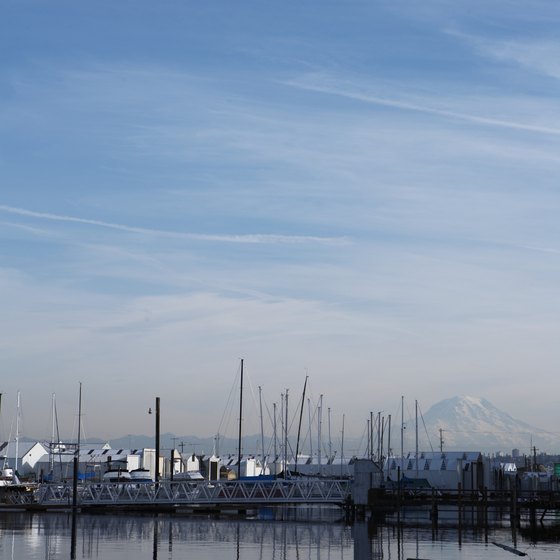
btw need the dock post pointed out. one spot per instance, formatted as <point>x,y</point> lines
<point>485,506</point>
<point>434,514</point>
<point>399,486</point>
<point>460,509</point>
<point>75,485</point>
<point>533,514</point>
<point>514,506</point>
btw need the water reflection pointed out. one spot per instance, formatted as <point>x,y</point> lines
<point>155,547</point>
<point>74,534</point>
<point>56,536</point>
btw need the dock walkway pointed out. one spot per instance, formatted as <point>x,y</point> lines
<point>219,494</point>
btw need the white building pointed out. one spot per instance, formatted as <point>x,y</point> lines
<point>29,456</point>
<point>441,470</point>
<point>334,467</point>
<point>250,466</point>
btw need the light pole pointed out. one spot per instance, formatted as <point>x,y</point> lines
<point>156,475</point>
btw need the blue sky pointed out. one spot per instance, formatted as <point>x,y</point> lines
<point>363,191</point>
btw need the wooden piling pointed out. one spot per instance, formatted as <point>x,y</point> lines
<point>434,514</point>
<point>460,507</point>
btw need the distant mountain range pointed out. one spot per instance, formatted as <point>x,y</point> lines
<point>473,423</point>
<point>466,423</point>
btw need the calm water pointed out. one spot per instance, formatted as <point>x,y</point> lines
<point>48,536</point>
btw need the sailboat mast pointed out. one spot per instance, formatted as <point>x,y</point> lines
<point>262,429</point>
<point>310,428</point>
<point>52,436</point>
<point>157,442</point>
<point>383,424</point>
<point>379,438</point>
<point>371,436</point>
<point>286,434</point>
<point>319,433</point>
<point>76,461</point>
<point>330,440</point>
<point>342,447</point>
<point>275,442</point>
<point>402,435</point>
<point>300,418</point>
<point>389,438</point>
<point>79,419</point>
<point>5,464</point>
<point>17,430</point>
<point>281,452</point>
<point>416,428</point>
<point>368,434</point>
<point>240,423</point>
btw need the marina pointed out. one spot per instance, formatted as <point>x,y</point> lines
<point>354,500</point>
<point>279,280</point>
<point>380,501</point>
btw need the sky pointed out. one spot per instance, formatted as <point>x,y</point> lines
<point>363,192</point>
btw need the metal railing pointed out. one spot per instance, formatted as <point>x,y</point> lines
<point>309,491</point>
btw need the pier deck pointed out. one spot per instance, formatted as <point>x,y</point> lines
<point>220,494</point>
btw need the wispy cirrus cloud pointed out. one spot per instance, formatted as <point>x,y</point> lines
<point>549,250</point>
<point>253,238</point>
<point>541,56</point>
<point>342,88</point>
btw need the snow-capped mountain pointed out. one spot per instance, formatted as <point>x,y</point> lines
<point>473,423</point>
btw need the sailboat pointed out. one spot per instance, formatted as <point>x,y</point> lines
<point>253,470</point>
<point>8,475</point>
<point>238,466</point>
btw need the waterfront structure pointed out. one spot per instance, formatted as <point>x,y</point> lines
<point>441,470</point>
<point>40,461</point>
<point>249,466</point>
<point>28,455</point>
<point>332,467</point>
<point>367,475</point>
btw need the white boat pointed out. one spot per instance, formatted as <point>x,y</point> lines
<point>140,475</point>
<point>188,476</point>
<point>117,475</point>
<point>8,477</point>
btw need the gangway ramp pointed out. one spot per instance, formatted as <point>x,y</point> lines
<point>216,494</point>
